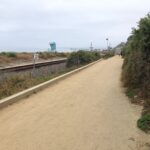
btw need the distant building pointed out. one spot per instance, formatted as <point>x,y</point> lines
<point>119,48</point>
<point>53,46</point>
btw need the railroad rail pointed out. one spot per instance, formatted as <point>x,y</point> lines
<point>30,66</point>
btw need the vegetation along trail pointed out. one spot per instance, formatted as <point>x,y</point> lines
<point>86,111</point>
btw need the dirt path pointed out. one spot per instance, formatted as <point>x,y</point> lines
<point>87,111</point>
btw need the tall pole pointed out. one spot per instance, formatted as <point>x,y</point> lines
<point>91,47</point>
<point>34,61</point>
<point>107,43</point>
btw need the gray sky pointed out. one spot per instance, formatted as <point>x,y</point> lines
<point>31,24</point>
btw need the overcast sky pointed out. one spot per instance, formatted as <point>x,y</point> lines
<point>31,24</point>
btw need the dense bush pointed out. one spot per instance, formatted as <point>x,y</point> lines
<point>109,54</point>
<point>9,54</point>
<point>82,57</point>
<point>136,67</point>
<point>144,122</point>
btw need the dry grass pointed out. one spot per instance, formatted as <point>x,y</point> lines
<point>22,81</point>
<point>49,55</point>
<point>25,56</point>
<point>7,58</point>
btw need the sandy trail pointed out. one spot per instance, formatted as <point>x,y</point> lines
<point>86,111</point>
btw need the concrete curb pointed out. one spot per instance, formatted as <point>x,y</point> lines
<point>16,97</point>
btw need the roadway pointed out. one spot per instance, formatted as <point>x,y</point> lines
<point>86,111</point>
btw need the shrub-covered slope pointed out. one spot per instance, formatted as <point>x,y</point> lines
<point>136,68</point>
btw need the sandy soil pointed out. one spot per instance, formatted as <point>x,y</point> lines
<point>87,111</point>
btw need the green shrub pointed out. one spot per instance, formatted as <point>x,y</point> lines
<point>9,54</point>
<point>82,57</point>
<point>130,93</point>
<point>3,53</point>
<point>109,54</point>
<point>136,67</point>
<point>144,122</point>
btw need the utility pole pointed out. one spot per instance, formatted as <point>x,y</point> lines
<point>107,40</point>
<point>35,57</point>
<point>91,47</point>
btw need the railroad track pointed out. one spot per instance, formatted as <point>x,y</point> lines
<point>30,66</point>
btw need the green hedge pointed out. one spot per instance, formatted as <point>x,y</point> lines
<point>82,57</point>
<point>9,54</point>
<point>144,122</point>
<point>136,67</point>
